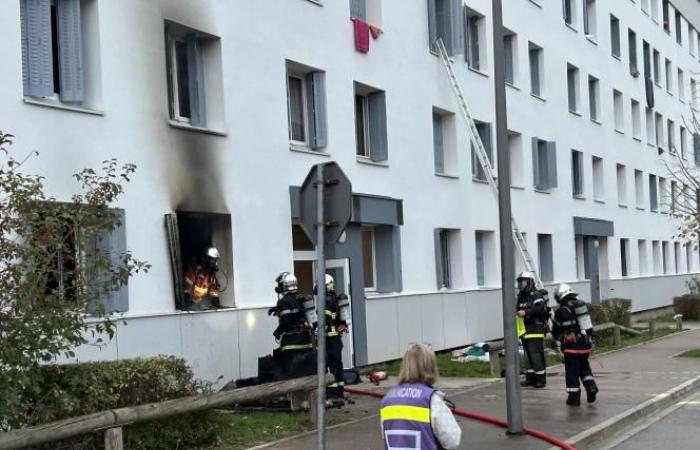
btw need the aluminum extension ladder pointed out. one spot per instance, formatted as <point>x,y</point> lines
<point>518,238</point>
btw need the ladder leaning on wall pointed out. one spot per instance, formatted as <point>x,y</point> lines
<point>483,157</point>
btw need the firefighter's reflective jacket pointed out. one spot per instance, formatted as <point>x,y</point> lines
<point>293,331</point>
<point>201,283</point>
<point>334,326</point>
<point>534,324</point>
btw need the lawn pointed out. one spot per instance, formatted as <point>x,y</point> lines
<point>695,353</point>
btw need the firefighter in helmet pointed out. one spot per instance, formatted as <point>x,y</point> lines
<point>337,322</point>
<point>573,329</point>
<point>533,314</point>
<point>202,287</point>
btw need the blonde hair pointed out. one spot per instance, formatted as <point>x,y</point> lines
<point>419,365</point>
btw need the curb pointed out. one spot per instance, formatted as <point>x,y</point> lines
<point>587,439</point>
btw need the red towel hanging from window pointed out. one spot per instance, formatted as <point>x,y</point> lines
<point>361,35</point>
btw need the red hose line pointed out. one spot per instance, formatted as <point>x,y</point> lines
<point>482,418</point>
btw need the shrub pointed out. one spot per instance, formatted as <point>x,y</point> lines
<point>688,305</point>
<point>616,310</point>
<point>78,389</point>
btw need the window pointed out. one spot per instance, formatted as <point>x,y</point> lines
<point>572,81</point>
<point>615,36</point>
<point>589,18</point>
<point>663,195</point>
<point>594,98</point>
<point>657,67</point>
<point>681,85</point>
<point>444,142</point>
<point>446,251</point>
<point>306,106</point>
<point>368,10</point>
<point>656,256</point>
<point>484,244</point>
<point>546,263</point>
<point>653,194</point>
<point>369,258</point>
<point>510,45</point>
<point>621,185</point>
<point>659,132</point>
<point>381,256</point>
<point>536,57</point>
<point>643,259</point>
<point>544,162</point>
<point>59,63</point>
<point>677,256</point>
<point>665,257</point>
<point>624,257</point>
<point>655,10</point>
<point>646,51</point>
<point>673,196</point>
<point>650,126</point>
<point>370,123</point>
<point>692,40</point>
<point>639,188</point>
<point>618,111</point>
<point>666,16</point>
<point>684,137</point>
<point>568,11</point>
<point>484,130</point>
<point>476,41</point>
<point>669,77</point>
<point>671,135</point>
<point>446,22</point>
<point>577,173</point>
<point>688,257</point>
<point>194,77</point>
<point>679,28</point>
<point>636,120</point>
<point>598,180</point>
<point>515,147</point>
<point>632,47</point>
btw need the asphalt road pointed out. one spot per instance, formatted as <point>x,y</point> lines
<point>677,431</point>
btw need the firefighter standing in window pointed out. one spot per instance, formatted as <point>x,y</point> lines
<point>202,287</point>
<point>533,314</point>
<point>337,322</point>
<point>574,330</point>
<point>297,316</point>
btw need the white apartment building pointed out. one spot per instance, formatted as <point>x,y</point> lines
<point>225,105</point>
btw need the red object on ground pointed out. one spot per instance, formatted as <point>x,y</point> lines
<point>482,418</point>
<point>376,377</point>
<point>361,35</point>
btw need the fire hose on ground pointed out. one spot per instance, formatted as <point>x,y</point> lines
<point>482,418</point>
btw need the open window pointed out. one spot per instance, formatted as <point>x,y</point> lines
<point>190,234</point>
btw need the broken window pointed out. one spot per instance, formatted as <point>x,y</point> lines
<point>198,283</point>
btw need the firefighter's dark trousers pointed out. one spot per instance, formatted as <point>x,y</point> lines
<point>534,360</point>
<point>578,370</point>
<point>334,362</point>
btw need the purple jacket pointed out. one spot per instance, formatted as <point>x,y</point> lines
<point>405,416</point>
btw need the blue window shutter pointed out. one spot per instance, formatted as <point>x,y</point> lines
<point>70,51</point>
<point>438,144</point>
<point>316,91</point>
<point>37,51</point>
<point>358,9</point>
<point>377,127</point>
<point>536,164</point>
<point>196,75</point>
<point>457,27</point>
<point>113,244</point>
<point>388,256</point>
<point>438,257</point>
<point>432,23</point>
<point>551,164</point>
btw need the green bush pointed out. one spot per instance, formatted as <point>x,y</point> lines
<point>688,305</point>
<point>616,310</point>
<point>78,389</point>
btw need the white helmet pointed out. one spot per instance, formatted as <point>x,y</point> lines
<point>526,276</point>
<point>330,283</point>
<point>213,253</point>
<point>286,282</point>
<point>563,291</point>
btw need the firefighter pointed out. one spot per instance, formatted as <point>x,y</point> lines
<point>532,317</point>
<point>202,287</point>
<point>574,330</point>
<point>293,331</point>
<point>337,321</point>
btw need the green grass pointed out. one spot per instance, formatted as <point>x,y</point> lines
<point>666,318</point>
<point>605,344</point>
<point>695,353</point>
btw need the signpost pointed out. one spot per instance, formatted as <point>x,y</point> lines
<point>325,210</point>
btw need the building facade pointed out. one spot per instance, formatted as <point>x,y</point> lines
<point>225,106</point>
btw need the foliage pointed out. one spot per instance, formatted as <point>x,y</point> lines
<point>694,353</point>
<point>616,310</point>
<point>693,285</point>
<point>51,271</point>
<point>688,305</point>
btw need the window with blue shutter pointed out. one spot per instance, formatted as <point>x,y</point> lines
<point>446,22</point>
<point>37,52</point>
<point>438,143</point>
<point>379,150</point>
<point>358,9</point>
<point>316,93</point>
<point>113,245</point>
<point>70,53</point>
<point>551,164</point>
<point>546,262</point>
<point>388,258</point>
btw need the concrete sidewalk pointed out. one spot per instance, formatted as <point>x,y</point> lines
<point>626,378</point>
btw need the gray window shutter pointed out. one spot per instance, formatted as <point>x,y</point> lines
<point>388,254</point>
<point>196,75</point>
<point>438,257</point>
<point>508,50</point>
<point>456,27</point>
<point>586,24</point>
<point>551,164</point>
<point>70,51</point>
<point>696,148</point>
<point>432,23</point>
<point>535,71</point>
<point>479,249</point>
<point>545,257</point>
<point>438,144</point>
<point>536,164</point>
<point>377,127</point>
<point>37,53</point>
<point>358,9</point>
<point>114,245</point>
<point>316,92</point>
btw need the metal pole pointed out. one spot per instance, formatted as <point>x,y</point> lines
<point>512,359</point>
<point>321,310</point>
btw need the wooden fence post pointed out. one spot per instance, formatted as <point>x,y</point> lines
<point>679,322</point>
<point>114,439</point>
<point>495,363</point>
<point>617,336</point>
<point>652,328</point>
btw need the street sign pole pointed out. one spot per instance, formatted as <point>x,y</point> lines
<point>321,308</point>
<point>513,401</point>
